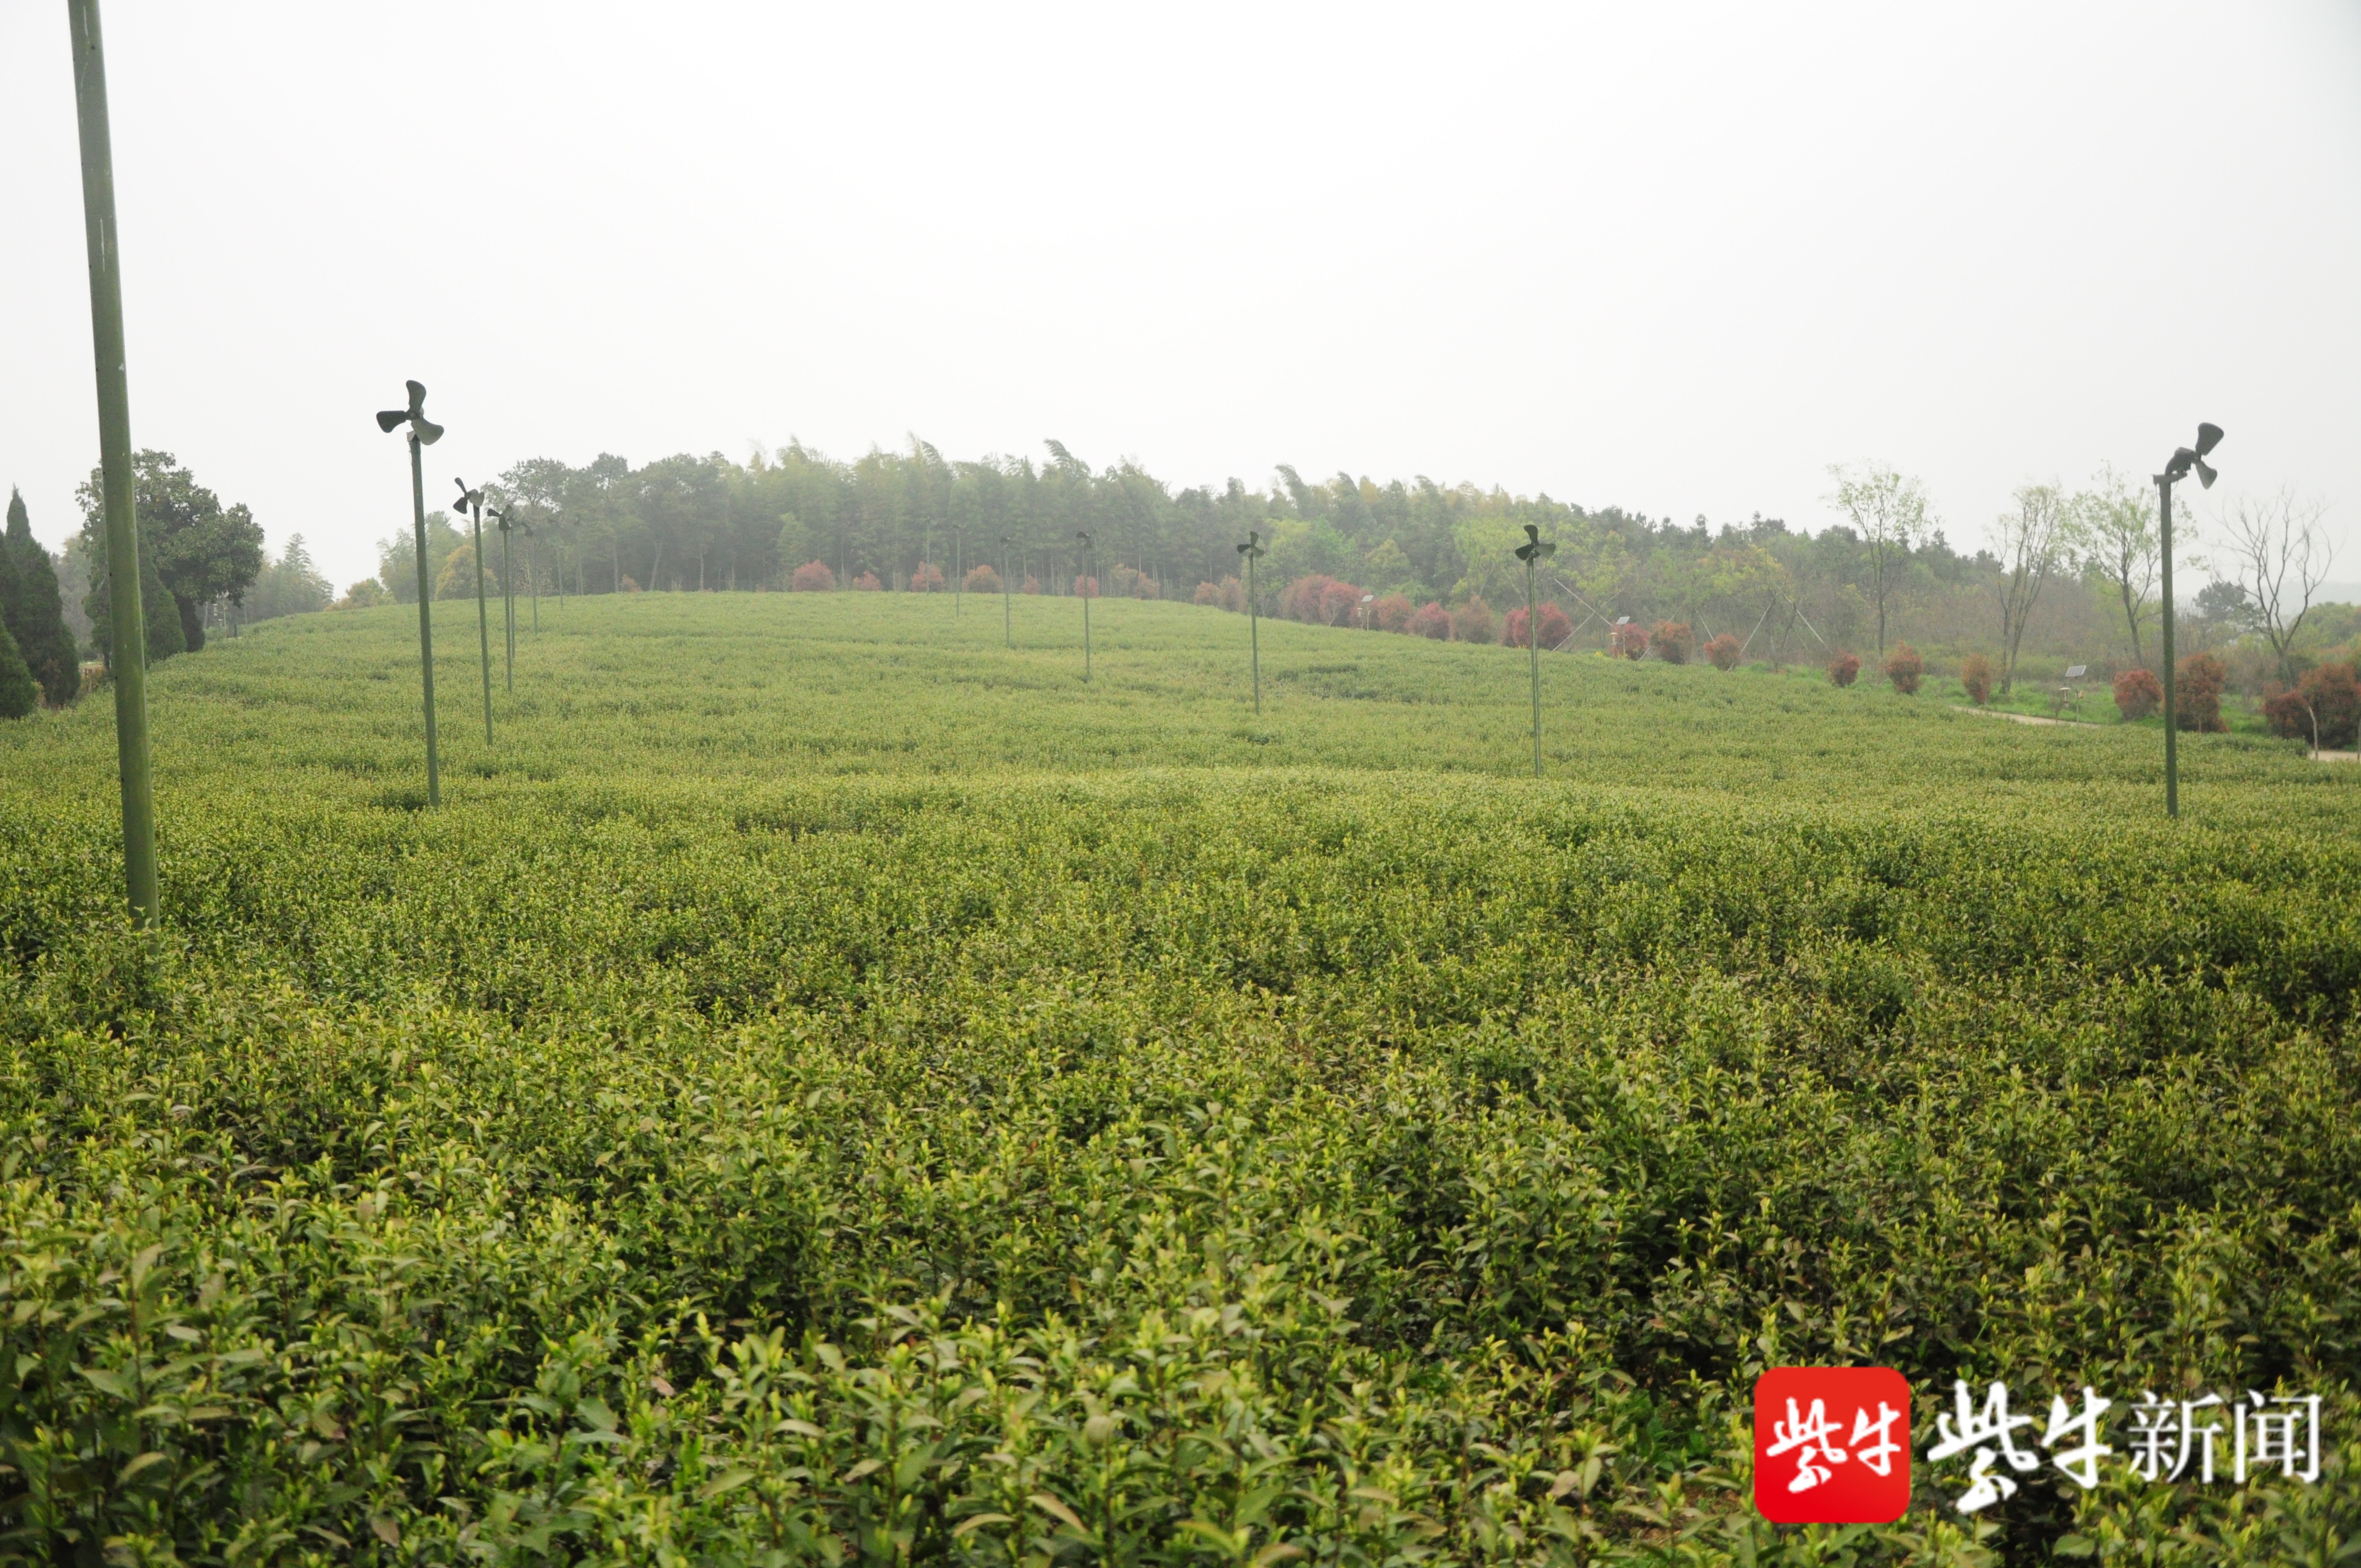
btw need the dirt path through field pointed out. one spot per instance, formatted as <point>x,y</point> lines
<point>2082,724</point>
<point>2017,718</point>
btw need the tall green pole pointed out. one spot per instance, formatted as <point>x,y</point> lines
<point>1252,548</point>
<point>2171,715</point>
<point>1007,623</point>
<point>1534,646</point>
<point>1083,588</point>
<point>532,575</point>
<point>1532,553</point>
<point>425,618</point>
<point>959,571</point>
<point>1253,633</point>
<point>483,621</point>
<point>508,608</point>
<point>129,652</point>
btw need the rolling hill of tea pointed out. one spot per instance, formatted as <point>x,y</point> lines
<point>828,1087</point>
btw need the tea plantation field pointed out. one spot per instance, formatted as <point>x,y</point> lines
<point>826,1088</point>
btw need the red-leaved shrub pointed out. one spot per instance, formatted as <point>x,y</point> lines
<point>981,580</point>
<point>1391,613</point>
<point>1032,584</point>
<point>1673,641</point>
<point>1208,593</point>
<point>1903,667</point>
<point>2197,695</point>
<point>927,579</point>
<point>1556,626</point>
<point>2327,697</point>
<point>1630,639</point>
<point>2138,693</point>
<point>1976,675</point>
<point>867,582</point>
<point>1721,652</point>
<point>812,577</point>
<point>1086,587</point>
<point>1430,620</point>
<point>1473,622</point>
<point>1843,669</point>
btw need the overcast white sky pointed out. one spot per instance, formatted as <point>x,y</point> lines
<point>1674,257</point>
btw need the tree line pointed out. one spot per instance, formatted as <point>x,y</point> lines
<point>2072,574</point>
<point>2066,573</point>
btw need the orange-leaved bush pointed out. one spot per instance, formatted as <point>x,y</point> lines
<point>1721,652</point>
<point>1430,620</point>
<point>1976,674</point>
<point>1673,640</point>
<point>927,579</point>
<point>1844,668</point>
<point>1556,626</point>
<point>1391,613</point>
<point>2138,693</point>
<point>1630,639</point>
<point>1086,587</point>
<point>867,582</point>
<point>812,577</point>
<point>1473,622</point>
<point>2197,695</point>
<point>1903,667</point>
<point>981,580</point>
<point>2324,710</point>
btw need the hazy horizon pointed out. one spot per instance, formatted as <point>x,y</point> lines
<point>1677,263</point>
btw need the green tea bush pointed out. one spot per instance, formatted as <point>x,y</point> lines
<point>693,1145</point>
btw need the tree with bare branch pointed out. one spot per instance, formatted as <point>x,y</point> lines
<point>2035,540</point>
<point>2118,520</point>
<point>1888,510</point>
<point>2281,555</point>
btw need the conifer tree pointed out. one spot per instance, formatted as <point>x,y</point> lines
<point>35,611</point>
<point>19,696</point>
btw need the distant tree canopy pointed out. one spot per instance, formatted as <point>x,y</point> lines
<point>289,586</point>
<point>193,552</point>
<point>689,521</point>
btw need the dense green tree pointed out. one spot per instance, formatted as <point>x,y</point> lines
<point>165,629</point>
<point>18,695</point>
<point>201,550</point>
<point>33,609</point>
